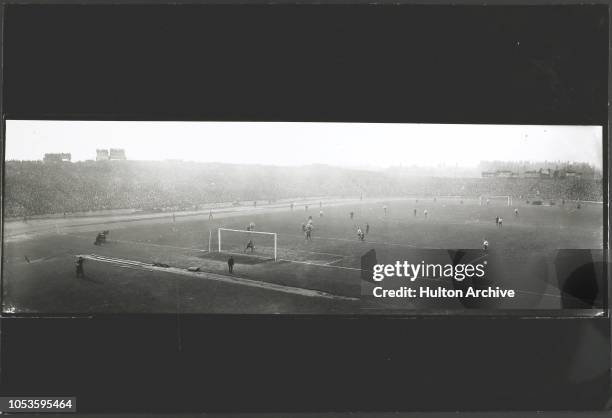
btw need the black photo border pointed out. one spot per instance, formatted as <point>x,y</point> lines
<point>45,355</point>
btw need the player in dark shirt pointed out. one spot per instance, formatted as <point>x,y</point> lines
<point>250,245</point>
<point>80,272</point>
<point>309,232</point>
<point>230,264</point>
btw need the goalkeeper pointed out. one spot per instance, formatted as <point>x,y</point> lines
<point>250,245</point>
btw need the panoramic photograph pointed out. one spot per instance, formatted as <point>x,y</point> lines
<point>301,218</point>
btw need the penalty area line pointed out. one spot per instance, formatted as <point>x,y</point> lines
<point>329,263</point>
<point>294,261</point>
<point>321,265</point>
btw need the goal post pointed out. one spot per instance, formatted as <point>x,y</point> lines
<point>235,241</point>
<point>507,200</point>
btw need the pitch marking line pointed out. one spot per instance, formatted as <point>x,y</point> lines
<point>334,261</point>
<point>320,265</point>
<point>294,261</point>
<point>263,257</point>
<point>297,250</point>
<point>218,277</point>
<point>309,252</point>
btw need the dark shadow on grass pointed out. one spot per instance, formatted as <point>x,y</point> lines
<point>238,258</point>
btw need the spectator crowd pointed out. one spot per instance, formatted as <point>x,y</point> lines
<point>38,188</point>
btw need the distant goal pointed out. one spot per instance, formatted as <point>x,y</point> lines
<point>454,199</point>
<point>234,241</point>
<point>489,200</point>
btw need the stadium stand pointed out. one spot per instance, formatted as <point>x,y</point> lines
<point>37,188</point>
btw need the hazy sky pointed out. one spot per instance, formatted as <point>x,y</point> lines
<point>297,143</point>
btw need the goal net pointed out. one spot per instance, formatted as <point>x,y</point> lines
<point>235,241</point>
<point>496,200</point>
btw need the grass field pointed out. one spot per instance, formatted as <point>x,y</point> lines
<point>318,276</point>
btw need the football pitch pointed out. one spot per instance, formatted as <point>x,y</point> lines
<point>171,264</point>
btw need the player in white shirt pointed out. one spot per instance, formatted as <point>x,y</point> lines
<point>425,213</point>
<point>360,234</point>
<point>516,212</point>
<point>485,245</point>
